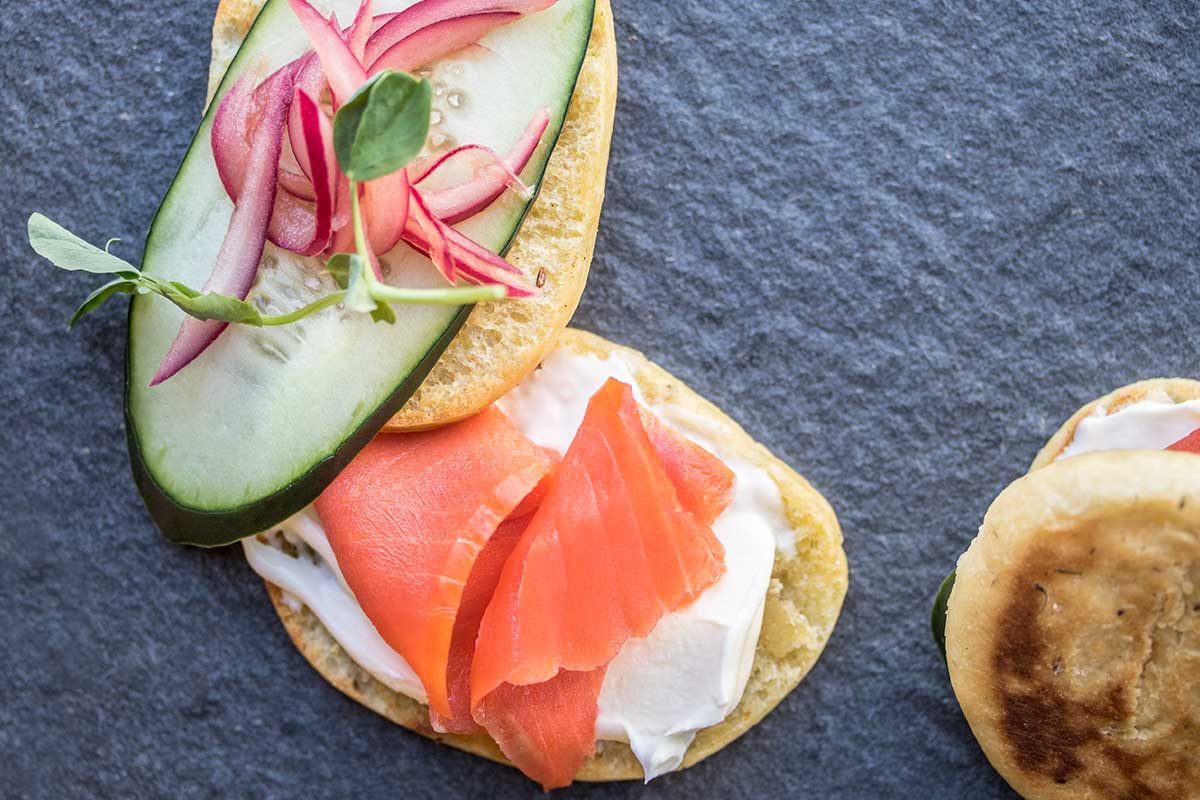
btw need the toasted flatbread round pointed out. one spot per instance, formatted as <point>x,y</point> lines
<point>501,342</point>
<point>1175,390</point>
<point>803,601</point>
<point>1073,630</point>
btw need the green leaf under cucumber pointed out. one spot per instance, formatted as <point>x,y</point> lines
<point>937,617</point>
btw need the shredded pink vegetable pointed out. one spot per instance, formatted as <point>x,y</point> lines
<point>457,255</point>
<point>386,203</point>
<point>310,76</point>
<point>232,129</point>
<point>238,260</point>
<point>310,79</point>
<point>301,220</point>
<point>343,71</point>
<point>477,152</point>
<point>461,246</point>
<point>310,227</point>
<point>429,12</point>
<point>431,234</point>
<point>456,203</point>
<point>230,135</point>
<point>360,30</point>
<point>437,41</point>
<point>379,20</point>
<point>296,184</point>
<point>343,236</point>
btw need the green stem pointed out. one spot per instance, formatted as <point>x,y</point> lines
<point>360,239</point>
<point>385,293</point>
<point>360,242</point>
<point>451,295</point>
<point>304,311</point>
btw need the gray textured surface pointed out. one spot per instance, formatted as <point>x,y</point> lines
<point>899,247</point>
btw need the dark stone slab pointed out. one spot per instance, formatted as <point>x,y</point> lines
<point>899,246</point>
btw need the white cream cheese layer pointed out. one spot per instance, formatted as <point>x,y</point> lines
<point>692,669</point>
<point>1146,425</point>
<point>317,582</point>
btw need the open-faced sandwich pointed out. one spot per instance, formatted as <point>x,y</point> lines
<point>600,577</point>
<point>1072,624</point>
<point>555,554</point>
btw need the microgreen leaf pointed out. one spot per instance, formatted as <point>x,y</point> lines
<point>182,288</point>
<point>937,618</point>
<point>65,250</point>
<point>221,307</point>
<point>360,290</point>
<point>384,313</point>
<point>97,298</point>
<point>338,266</point>
<point>383,126</point>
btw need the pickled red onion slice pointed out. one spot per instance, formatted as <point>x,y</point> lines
<point>386,204</point>
<point>437,41</point>
<point>456,203</point>
<point>467,259</point>
<point>242,248</point>
<point>432,234</point>
<point>360,30</point>
<point>343,71</point>
<point>429,12</point>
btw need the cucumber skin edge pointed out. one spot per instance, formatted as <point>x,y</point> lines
<point>182,524</point>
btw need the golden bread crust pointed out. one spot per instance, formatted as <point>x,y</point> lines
<point>803,601</point>
<point>1073,629</point>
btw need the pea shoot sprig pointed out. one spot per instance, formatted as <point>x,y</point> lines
<point>379,131</point>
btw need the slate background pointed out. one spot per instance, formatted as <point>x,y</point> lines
<point>899,246</point>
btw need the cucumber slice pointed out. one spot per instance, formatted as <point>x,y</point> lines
<point>258,425</point>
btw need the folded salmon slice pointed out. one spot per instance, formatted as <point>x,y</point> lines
<point>424,526</point>
<point>408,520</point>
<point>477,593</point>
<point>546,729</point>
<point>703,482</point>
<point>610,550</point>
<point>476,596</point>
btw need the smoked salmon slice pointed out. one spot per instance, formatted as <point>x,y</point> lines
<point>703,482</point>
<point>547,729</point>
<point>408,520</point>
<point>610,550</point>
<point>477,593</point>
<point>485,562</point>
<point>485,574</point>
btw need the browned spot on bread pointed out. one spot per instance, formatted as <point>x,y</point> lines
<point>1044,729</point>
<point>1077,684</point>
